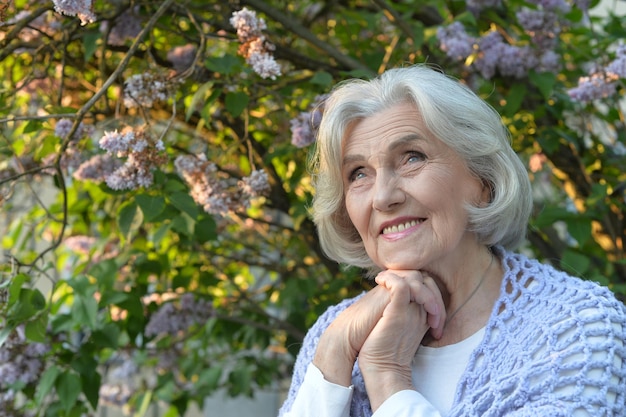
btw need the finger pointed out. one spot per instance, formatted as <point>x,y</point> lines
<point>423,290</point>
<point>436,321</point>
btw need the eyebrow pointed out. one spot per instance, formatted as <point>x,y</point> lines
<point>410,138</point>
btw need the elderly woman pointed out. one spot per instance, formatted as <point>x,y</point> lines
<point>417,183</point>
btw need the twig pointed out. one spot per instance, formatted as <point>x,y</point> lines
<point>294,26</point>
<point>118,71</point>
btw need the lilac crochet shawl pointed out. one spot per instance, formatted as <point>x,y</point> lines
<point>550,349</point>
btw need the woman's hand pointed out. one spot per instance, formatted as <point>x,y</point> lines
<point>340,344</point>
<point>385,359</point>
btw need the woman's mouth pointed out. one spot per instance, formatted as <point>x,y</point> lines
<point>396,228</point>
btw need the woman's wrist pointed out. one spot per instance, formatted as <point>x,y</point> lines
<point>382,384</point>
<point>335,360</point>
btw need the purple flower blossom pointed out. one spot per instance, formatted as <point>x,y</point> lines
<point>304,126</point>
<point>64,126</point>
<point>455,41</point>
<point>81,8</point>
<point>117,143</point>
<point>256,184</point>
<point>173,320</point>
<point>126,26</point>
<point>182,57</point>
<point>602,82</point>
<point>591,88</point>
<point>254,48</point>
<point>478,5</point>
<point>247,24</point>
<point>97,168</point>
<point>146,89</point>
<point>20,360</point>
<point>143,154</point>
<point>79,243</point>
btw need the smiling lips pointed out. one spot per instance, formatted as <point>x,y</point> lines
<point>401,227</point>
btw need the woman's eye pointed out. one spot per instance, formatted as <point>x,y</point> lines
<point>356,174</point>
<point>413,157</point>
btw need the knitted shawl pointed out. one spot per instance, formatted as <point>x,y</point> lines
<point>554,348</point>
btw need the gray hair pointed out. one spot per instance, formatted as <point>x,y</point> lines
<point>455,115</point>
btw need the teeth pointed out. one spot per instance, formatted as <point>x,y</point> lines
<point>399,227</point>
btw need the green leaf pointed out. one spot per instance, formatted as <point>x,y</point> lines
<point>210,378</point>
<point>30,302</point>
<point>184,203</point>
<point>145,403</point>
<point>575,262</point>
<point>151,206</point>
<point>46,382</point>
<point>226,64</point>
<point>205,230</point>
<point>199,99</point>
<point>107,337</point>
<point>90,43</point>
<point>5,332</point>
<point>85,310</point>
<point>544,81</point>
<point>68,387</point>
<point>514,99</point>
<point>35,330</point>
<point>580,229</point>
<point>322,78</point>
<point>105,272</point>
<point>183,224</point>
<point>91,382</point>
<point>236,103</point>
<point>127,219</point>
<point>16,287</point>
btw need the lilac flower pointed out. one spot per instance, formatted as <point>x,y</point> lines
<point>304,126</point>
<point>455,41</point>
<point>256,184</point>
<point>64,126</point>
<point>130,176</point>
<point>97,168</point>
<point>618,65</point>
<point>515,61</point>
<point>117,143</point>
<point>254,48</point>
<point>592,88</point>
<point>126,26</point>
<point>489,46</point>
<point>172,320</point>
<point>206,188</point>
<point>478,5</point>
<point>536,20</point>
<point>79,243</point>
<point>81,8</point>
<point>20,360</point>
<point>217,193</point>
<point>143,154</point>
<point>182,57</point>
<point>146,89</point>
<point>115,394</point>
<point>247,24</point>
<point>264,64</point>
<point>556,5</point>
<point>549,61</point>
<point>602,82</point>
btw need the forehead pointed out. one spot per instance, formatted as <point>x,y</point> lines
<point>386,129</point>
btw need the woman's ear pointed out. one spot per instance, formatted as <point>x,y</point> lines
<point>487,192</point>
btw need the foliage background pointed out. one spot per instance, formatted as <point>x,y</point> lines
<point>150,294</point>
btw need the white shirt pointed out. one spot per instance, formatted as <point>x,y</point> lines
<point>436,373</point>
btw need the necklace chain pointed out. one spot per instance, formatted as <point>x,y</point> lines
<point>449,318</point>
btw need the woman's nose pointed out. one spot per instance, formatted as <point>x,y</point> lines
<point>387,193</point>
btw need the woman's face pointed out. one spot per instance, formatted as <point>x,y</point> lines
<point>405,192</point>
